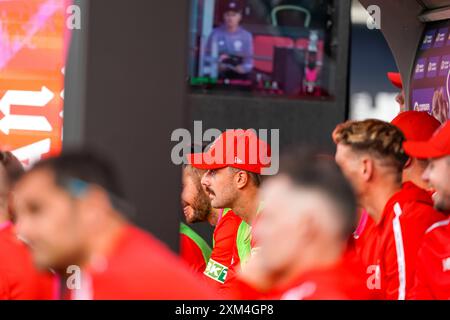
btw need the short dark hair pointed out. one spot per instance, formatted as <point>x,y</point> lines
<point>309,169</point>
<point>12,165</point>
<point>84,165</point>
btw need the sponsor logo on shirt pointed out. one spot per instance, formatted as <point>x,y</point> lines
<point>216,271</point>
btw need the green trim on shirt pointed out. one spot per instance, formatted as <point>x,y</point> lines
<point>199,241</point>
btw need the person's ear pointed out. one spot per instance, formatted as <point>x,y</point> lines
<point>408,163</point>
<point>96,202</point>
<point>241,179</point>
<point>307,227</point>
<point>11,207</point>
<point>367,168</point>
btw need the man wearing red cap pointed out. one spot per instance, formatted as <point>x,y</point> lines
<point>396,80</point>
<point>197,207</point>
<point>416,126</point>
<point>371,155</point>
<point>432,279</point>
<point>235,162</point>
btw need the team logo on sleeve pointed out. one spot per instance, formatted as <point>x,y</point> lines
<point>216,271</point>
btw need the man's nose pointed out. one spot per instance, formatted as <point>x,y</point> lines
<point>205,180</point>
<point>426,174</point>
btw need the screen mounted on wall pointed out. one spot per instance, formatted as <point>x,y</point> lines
<point>263,47</point>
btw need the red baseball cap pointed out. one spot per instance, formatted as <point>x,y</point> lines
<point>396,79</point>
<point>241,149</point>
<point>436,147</point>
<point>416,125</point>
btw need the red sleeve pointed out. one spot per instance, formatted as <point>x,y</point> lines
<point>420,290</point>
<point>225,239</point>
<point>241,290</point>
<point>403,246</point>
<point>192,254</point>
<point>4,291</point>
<point>222,253</point>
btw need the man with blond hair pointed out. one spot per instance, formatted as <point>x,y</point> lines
<point>371,155</point>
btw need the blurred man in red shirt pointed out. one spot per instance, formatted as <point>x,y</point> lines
<point>19,279</point>
<point>371,155</point>
<point>68,211</point>
<point>234,163</point>
<point>433,263</point>
<point>310,211</point>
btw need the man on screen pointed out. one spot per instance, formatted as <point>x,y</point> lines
<point>229,50</point>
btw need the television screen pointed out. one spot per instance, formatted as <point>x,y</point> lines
<point>263,47</point>
<point>430,80</point>
<point>33,43</point>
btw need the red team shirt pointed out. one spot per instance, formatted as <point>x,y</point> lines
<point>140,267</point>
<point>246,245</point>
<point>193,249</point>
<point>338,282</point>
<point>192,254</point>
<point>341,281</point>
<point>433,264</point>
<point>388,250</point>
<point>19,279</point>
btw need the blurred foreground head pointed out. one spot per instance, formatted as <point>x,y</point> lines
<point>370,153</point>
<point>64,205</point>
<point>310,212</point>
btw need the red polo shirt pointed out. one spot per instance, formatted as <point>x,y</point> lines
<point>389,248</point>
<point>340,281</point>
<point>19,279</point>
<point>225,242</point>
<point>433,264</point>
<point>140,267</point>
<point>193,249</point>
